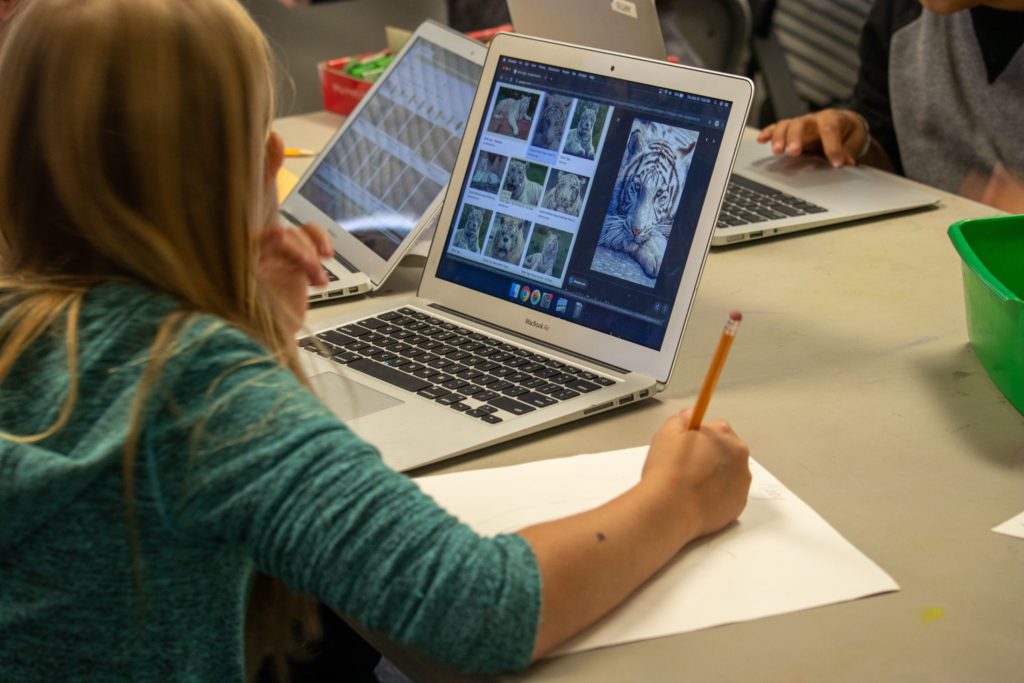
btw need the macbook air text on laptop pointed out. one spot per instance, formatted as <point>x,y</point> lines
<point>377,185</point>
<point>566,257</point>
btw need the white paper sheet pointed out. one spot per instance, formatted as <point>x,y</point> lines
<point>780,557</point>
<point>1012,527</point>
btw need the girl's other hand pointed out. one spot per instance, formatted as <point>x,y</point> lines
<point>289,262</point>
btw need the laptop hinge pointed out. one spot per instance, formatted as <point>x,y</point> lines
<point>532,340</point>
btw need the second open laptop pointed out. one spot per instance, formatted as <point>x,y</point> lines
<point>769,195</point>
<point>377,184</point>
<point>565,262</point>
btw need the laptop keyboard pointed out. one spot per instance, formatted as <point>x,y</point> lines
<point>481,376</point>
<point>749,202</point>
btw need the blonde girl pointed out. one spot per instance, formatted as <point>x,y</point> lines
<point>157,444</point>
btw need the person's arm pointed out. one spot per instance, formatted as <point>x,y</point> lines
<point>694,483</point>
<point>864,132</point>
<point>273,471</point>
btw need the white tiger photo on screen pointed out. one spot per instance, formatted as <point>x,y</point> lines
<point>513,112</point>
<point>471,228</point>
<point>644,200</point>
<point>547,251</point>
<point>553,116</point>
<point>507,238</point>
<point>565,193</point>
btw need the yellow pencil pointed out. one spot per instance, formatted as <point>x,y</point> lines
<point>715,369</point>
<point>298,152</point>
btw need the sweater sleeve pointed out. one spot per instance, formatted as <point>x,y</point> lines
<point>248,456</point>
<point>871,97</point>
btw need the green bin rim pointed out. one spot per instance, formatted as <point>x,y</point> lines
<point>970,258</point>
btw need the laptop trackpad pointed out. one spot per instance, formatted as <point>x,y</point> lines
<point>349,399</point>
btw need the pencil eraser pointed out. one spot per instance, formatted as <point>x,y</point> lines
<point>736,315</point>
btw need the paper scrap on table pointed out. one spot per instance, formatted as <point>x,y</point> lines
<point>1012,527</point>
<point>781,556</point>
<point>286,180</point>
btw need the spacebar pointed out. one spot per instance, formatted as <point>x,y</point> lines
<point>389,375</point>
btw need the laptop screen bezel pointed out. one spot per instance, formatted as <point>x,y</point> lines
<point>552,330</point>
<point>350,247</point>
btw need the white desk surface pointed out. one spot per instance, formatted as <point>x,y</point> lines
<point>853,382</point>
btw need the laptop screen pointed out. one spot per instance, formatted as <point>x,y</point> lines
<point>396,156</point>
<point>583,197</point>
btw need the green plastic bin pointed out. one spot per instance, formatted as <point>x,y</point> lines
<point>992,250</point>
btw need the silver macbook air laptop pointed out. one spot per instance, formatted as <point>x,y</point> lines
<point>566,257</point>
<point>774,195</point>
<point>627,26</point>
<point>769,195</point>
<point>377,184</point>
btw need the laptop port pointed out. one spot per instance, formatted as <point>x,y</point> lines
<point>353,290</point>
<point>628,399</point>
<point>597,408</point>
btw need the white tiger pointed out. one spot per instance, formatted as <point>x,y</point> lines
<point>468,237</point>
<point>509,239</point>
<point>566,196</point>
<point>512,110</point>
<point>519,188</point>
<point>580,140</point>
<point>647,192</point>
<point>543,261</point>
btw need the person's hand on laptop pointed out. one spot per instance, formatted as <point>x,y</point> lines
<point>841,135</point>
<point>289,263</point>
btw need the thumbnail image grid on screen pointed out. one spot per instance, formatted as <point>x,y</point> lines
<point>583,195</point>
<point>395,158</point>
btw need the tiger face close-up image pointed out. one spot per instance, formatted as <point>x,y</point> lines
<point>644,199</point>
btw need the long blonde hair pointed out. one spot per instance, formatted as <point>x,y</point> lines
<point>132,145</point>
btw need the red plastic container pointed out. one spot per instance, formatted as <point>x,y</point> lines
<point>341,92</point>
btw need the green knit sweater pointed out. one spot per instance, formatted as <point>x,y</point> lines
<point>239,468</point>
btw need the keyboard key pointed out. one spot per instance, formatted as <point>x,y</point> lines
<point>433,392</point>
<point>389,375</point>
<point>354,330</point>
<point>565,394</point>
<point>511,406</point>
<point>335,337</point>
<point>490,419</point>
<point>537,400</point>
<point>450,399</point>
<point>581,385</point>
<point>461,407</point>
<point>485,396</point>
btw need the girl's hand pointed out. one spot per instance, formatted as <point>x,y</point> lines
<point>289,262</point>
<point>705,469</point>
